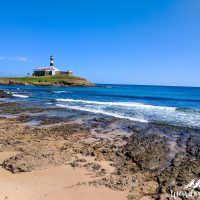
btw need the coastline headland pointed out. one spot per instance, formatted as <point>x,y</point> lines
<point>47,76</point>
<point>58,80</point>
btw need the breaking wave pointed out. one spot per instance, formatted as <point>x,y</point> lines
<point>134,111</point>
<point>122,104</point>
<point>60,92</point>
<point>96,111</point>
<point>19,95</point>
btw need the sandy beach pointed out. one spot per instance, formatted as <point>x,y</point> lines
<point>91,158</point>
<point>52,183</point>
<point>61,179</point>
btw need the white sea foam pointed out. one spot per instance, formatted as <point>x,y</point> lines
<point>134,111</point>
<point>19,95</point>
<point>122,104</point>
<point>96,111</point>
<point>60,92</point>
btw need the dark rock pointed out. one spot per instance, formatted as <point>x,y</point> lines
<point>26,162</point>
<point>148,152</point>
<point>75,164</point>
<point>5,94</point>
<point>120,183</point>
<point>193,146</point>
<point>92,167</point>
<point>81,160</point>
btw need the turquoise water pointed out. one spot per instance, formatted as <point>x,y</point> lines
<point>170,105</point>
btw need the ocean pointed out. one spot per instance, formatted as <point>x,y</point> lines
<point>178,106</point>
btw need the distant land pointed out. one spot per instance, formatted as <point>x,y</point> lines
<point>58,80</point>
<point>47,76</point>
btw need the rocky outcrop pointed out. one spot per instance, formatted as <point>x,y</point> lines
<point>147,152</point>
<point>148,162</point>
<point>26,162</point>
<point>4,94</point>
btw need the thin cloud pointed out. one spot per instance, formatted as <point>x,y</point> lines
<point>21,58</point>
<point>16,58</point>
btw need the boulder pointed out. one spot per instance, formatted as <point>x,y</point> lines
<point>4,94</point>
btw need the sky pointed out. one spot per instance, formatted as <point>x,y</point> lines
<point>148,42</point>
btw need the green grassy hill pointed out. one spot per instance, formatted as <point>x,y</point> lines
<point>61,80</point>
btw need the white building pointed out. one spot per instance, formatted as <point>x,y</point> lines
<point>51,70</point>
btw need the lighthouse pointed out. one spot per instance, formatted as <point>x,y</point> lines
<point>51,61</point>
<point>50,70</point>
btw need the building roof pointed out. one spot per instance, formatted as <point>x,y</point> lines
<point>46,69</point>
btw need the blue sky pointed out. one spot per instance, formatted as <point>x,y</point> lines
<point>107,41</point>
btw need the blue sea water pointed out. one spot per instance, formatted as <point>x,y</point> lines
<point>171,105</point>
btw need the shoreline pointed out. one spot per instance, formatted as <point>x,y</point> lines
<point>122,159</point>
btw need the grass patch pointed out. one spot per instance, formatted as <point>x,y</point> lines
<point>46,80</point>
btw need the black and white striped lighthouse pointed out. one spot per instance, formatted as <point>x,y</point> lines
<point>51,61</point>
